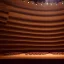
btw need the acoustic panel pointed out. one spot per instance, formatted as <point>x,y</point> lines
<point>31,27</point>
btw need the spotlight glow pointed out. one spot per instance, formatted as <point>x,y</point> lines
<point>41,4</point>
<point>51,4</point>
<point>62,3</point>
<point>47,3</point>
<point>28,2</point>
<point>36,4</point>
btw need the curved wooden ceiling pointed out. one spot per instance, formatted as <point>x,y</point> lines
<point>29,26</point>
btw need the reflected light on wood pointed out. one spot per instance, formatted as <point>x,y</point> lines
<point>24,56</point>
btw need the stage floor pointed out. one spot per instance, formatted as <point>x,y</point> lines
<point>32,56</point>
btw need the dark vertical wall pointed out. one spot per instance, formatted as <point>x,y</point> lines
<point>3,21</point>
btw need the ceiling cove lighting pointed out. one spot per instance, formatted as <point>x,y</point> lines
<point>44,1</point>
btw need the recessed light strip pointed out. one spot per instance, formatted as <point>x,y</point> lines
<point>47,2</point>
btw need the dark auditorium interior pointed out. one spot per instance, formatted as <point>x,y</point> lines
<point>31,29</point>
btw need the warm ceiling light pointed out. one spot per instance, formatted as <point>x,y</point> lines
<point>62,3</point>
<point>49,1</point>
<point>44,1</point>
<point>28,2</point>
<point>51,4</point>
<point>41,4</point>
<point>36,4</point>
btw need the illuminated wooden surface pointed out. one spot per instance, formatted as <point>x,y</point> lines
<point>24,56</point>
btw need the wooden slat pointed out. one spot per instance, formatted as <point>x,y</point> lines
<point>35,18</point>
<point>26,28</point>
<point>40,13</point>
